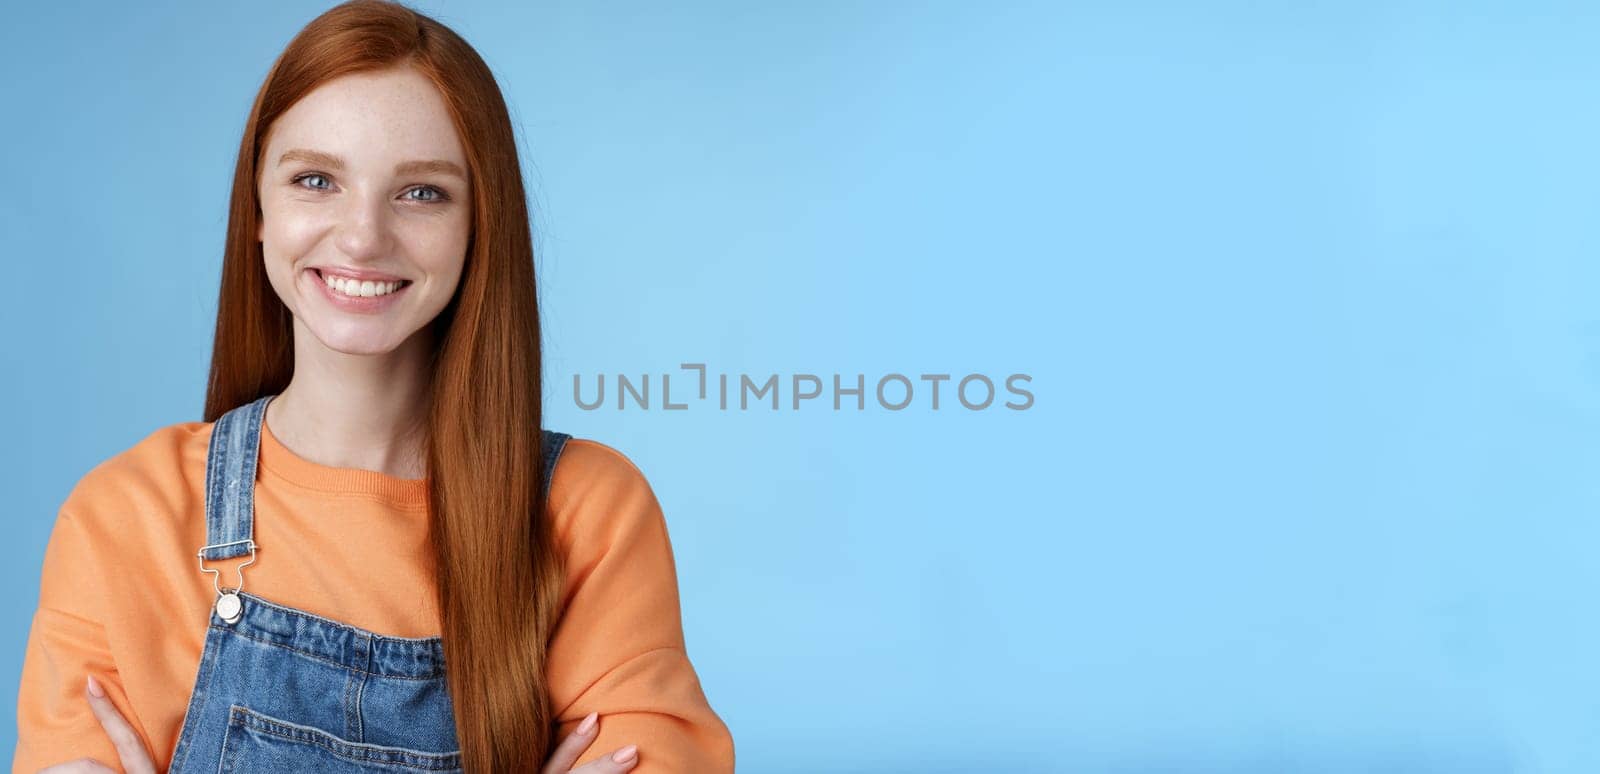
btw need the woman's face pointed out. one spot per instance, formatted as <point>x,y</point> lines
<point>364,185</point>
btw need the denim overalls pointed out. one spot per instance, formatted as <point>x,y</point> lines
<point>283,690</point>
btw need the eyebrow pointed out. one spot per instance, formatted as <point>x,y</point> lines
<point>403,168</point>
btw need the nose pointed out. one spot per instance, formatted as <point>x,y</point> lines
<point>364,227</point>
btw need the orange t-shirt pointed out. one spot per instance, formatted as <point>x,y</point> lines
<point>122,596</point>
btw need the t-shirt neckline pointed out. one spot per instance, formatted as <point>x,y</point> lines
<point>283,462</point>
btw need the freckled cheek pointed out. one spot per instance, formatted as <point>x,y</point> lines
<point>438,253</point>
<point>289,234</point>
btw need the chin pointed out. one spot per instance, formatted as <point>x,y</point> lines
<point>359,342</point>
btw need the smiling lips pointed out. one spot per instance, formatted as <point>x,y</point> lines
<point>363,292</point>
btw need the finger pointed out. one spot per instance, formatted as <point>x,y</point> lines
<point>566,753</point>
<point>130,749</point>
<point>615,763</point>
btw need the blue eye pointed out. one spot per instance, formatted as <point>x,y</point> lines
<point>297,180</point>
<point>438,195</point>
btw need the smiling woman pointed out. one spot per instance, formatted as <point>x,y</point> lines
<point>430,589</point>
<point>348,202</point>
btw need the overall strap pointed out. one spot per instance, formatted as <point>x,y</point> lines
<point>550,445</point>
<point>230,480</point>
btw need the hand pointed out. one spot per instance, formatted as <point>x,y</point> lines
<point>130,749</point>
<point>566,753</point>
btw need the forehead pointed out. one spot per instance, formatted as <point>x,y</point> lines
<point>371,120</point>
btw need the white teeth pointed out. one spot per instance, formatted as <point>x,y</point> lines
<point>360,288</point>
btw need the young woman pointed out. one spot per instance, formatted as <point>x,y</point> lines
<point>371,496</point>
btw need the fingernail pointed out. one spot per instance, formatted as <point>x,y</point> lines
<point>588,723</point>
<point>94,688</point>
<point>625,754</point>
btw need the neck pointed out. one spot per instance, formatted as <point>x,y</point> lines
<point>367,412</point>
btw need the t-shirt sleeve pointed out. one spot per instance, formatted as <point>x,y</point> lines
<point>618,648</point>
<point>66,643</point>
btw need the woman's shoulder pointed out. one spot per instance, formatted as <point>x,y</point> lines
<point>165,468</point>
<point>597,487</point>
<point>588,458</point>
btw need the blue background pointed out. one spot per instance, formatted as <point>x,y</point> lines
<point>1306,293</point>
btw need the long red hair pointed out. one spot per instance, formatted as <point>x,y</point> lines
<point>499,574</point>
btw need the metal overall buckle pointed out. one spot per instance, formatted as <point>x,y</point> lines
<point>228,606</point>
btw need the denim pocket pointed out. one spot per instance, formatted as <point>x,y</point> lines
<point>256,742</point>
